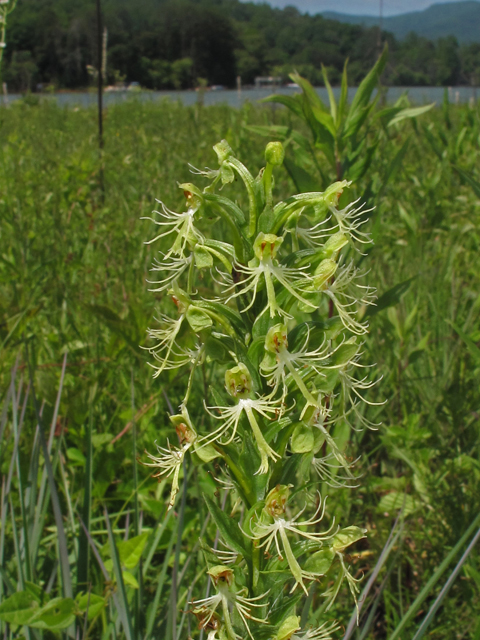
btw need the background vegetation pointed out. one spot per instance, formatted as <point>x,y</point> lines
<point>151,42</point>
<point>74,307</point>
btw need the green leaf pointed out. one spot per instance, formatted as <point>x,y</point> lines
<point>302,438</point>
<point>411,112</point>
<point>76,457</point>
<point>331,97</point>
<point>198,319</point>
<point>345,537</point>
<point>391,297</point>
<point>368,84</point>
<point>130,579</point>
<point>19,608</point>
<point>203,258</point>
<point>303,181</point>
<point>130,551</point>
<point>469,180</point>
<point>228,528</point>
<point>344,353</point>
<point>291,102</point>
<point>394,501</point>
<point>58,614</point>
<point>321,561</point>
<point>90,602</point>
<point>471,346</point>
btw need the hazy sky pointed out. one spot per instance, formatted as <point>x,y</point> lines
<point>358,7</point>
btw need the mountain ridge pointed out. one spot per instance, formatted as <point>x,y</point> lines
<point>458,19</point>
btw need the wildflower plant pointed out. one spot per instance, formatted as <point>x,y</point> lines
<point>271,302</point>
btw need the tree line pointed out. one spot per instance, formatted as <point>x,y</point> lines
<point>179,44</point>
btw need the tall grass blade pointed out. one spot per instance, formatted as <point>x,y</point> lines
<point>160,584</point>
<point>122,594</point>
<point>62,539</point>
<point>391,541</point>
<point>83,546</point>
<point>433,580</point>
<point>434,608</point>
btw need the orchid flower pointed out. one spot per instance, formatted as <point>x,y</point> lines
<point>267,532</point>
<point>238,383</point>
<point>229,598</point>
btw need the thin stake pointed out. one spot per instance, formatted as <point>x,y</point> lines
<point>100,92</point>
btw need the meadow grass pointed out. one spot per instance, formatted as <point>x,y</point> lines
<point>74,309</point>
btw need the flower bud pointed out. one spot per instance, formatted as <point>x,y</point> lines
<point>276,339</point>
<point>277,499</point>
<point>266,245</point>
<point>325,270</point>
<point>274,153</point>
<point>238,381</point>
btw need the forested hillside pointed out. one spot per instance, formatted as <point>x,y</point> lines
<point>172,43</point>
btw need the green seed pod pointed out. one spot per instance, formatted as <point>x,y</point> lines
<point>276,339</point>
<point>266,245</point>
<point>238,381</point>
<point>274,153</point>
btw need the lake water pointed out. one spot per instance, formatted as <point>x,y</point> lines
<point>234,98</point>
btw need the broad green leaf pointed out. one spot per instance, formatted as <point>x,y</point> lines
<point>130,551</point>
<point>198,319</point>
<point>36,591</point>
<point>368,84</point>
<point>76,457</point>
<point>203,258</point>
<point>321,561</point>
<point>309,92</point>
<point>90,602</point>
<point>19,608</point>
<point>58,614</point>
<point>207,453</point>
<point>302,438</point>
<point>130,579</point>
<point>228,528</point>
<point>291,102</point>
<point>394,501</point>
<point>411,112</point>
<point>345,537</point>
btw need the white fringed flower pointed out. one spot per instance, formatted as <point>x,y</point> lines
<point>170,459</point>
<point>347,296</point>
<point>266,269</point>
<point>270,532</point>
<point>229,598</point>
<point>350,219</point>
<point>183,224</point>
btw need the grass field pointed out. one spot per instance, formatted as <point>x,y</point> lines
<point>74,309</point>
